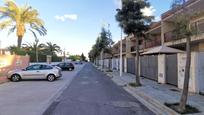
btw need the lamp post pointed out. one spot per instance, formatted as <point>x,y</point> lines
<point>121,48</point>
<point>121,39</point>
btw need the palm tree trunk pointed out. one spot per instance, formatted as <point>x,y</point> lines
<point>183,100</point>
<point>137,63</point>
<point>19,41</point>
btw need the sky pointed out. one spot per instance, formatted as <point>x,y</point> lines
<point>75,24</point>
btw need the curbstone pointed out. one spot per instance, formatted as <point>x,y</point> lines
<point>151,103</point>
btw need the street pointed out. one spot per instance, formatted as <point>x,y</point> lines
<point>93,93</point>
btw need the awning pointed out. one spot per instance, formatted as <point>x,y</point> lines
<point>162,50</point>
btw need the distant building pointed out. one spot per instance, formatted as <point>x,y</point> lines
<point>5,52</point>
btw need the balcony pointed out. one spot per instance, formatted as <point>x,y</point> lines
<point>133,48</point>
<point>124,50</point>
<point>168,36</point>
<point>201,26</point>
<point>156,41</point>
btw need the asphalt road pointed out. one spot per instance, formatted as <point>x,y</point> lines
<point>93,93</point>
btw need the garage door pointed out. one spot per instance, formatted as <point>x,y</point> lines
<point>171,69</point>
<point>131,65</point>
<point>149,67</point>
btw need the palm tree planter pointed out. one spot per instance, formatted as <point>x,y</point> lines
<point>20,19</point>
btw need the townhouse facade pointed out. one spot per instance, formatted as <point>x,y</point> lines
<point>160,66</point>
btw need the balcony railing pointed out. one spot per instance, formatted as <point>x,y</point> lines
<point>154,42</point>
<point>168,36</point>
<point>123,49</point>
<point>133,48</point>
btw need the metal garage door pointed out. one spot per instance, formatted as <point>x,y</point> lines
<point>149,67</point>
<point>123,64</point>
<point>171,69</point>
<point>109,63</point>
<point>131,65</point>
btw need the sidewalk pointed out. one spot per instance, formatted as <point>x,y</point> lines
<point>3,79</point>
<point>154,95</point>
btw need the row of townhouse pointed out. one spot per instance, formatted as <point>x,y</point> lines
<point>168,66</point>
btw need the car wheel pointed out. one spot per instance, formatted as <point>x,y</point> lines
<point>15,78</point>
<point>51,77</point>
<point>70,69</point>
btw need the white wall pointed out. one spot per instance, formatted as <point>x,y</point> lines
<point>162,68</point>
<point>125,64</point>
<point>200,71</point>
<point>193,85</point>
<point>115,63</point>
<point>106,63</point>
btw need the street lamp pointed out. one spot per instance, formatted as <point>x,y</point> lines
<point>121,48</point>
<point>121,39</point>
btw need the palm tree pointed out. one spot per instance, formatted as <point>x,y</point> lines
<point>52,48</point>
<point>35,46</point>
<point>20,19</point>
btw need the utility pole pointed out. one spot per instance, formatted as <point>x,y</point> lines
<point>1,52</point>
<point>121,41</point>
<point>64,55</point>
<point>121,48</point>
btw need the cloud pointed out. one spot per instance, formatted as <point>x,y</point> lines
<point>149,11</point>
<point>67,17</point>
<point>157,18</point>
<point>71,16</point>
<point>118,3</point>
<point>61,18</point>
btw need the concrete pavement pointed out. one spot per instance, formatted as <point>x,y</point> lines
<point>93,93</point>
<point>154,95</point>
<point>32,97</point>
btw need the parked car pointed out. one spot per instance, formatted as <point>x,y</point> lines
<point>66,66</point>
<point>78,62</point>
<point>36,71</point>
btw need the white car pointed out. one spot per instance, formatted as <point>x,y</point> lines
<point>36,71</point>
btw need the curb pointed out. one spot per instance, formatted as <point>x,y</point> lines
<point>56,95</point>
<point>151,103</point>
<point>3,79</point>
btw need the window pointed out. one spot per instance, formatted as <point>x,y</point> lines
<point>68,64</point>
<point>45,67</point>
<point>61,64</point>
<point>33,67</point>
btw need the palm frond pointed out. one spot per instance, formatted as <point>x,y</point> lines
<point>11,30</point>
<point>33,33</point>
<point>5,24</point>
